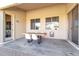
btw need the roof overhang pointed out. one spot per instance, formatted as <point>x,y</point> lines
<point>5,6</point>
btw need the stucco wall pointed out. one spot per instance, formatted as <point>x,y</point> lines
<point>42,13</point>
<point>19,21</point>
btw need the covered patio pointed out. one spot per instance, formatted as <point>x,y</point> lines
<point>47,47</point>
<point>59,23</point>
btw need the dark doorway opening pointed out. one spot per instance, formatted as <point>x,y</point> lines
<point>7,27</point>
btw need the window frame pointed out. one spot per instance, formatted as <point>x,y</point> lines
<point>37,20</point>
<point>51,20</point>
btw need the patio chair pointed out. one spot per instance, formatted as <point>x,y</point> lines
<point>37,38</point>
<point>28,37</point>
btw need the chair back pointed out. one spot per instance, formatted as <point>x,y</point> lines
<point>34,37</point>
<point>27,36</point>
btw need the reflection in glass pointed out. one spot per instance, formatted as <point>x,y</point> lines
<point>52,23</point>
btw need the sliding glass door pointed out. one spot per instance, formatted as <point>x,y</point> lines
<point>73,25</point>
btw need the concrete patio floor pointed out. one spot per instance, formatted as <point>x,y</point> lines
<point>48,47</point>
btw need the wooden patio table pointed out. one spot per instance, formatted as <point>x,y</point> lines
<point>39,34</point>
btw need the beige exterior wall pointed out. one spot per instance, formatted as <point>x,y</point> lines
<point>18,22</point>
<point>42,13</point>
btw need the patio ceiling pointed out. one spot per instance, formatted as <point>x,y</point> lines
<point>31,6</point>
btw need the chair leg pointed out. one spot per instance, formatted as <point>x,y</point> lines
<point>39,40</point>
<point>29,41</point>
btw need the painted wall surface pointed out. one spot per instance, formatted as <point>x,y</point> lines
<point>42,13</point>
<point>19,22</point>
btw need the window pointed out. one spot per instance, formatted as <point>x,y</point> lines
<point>52,23</point>
<point>35,24</point>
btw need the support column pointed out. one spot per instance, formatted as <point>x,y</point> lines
<point>1,26</point>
